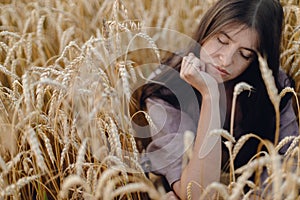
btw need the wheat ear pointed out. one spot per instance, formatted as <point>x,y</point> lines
<point>218,187</point>
<point>71,181</point>
<point>136,187</point>
<point>34,145</point>
<point>238,88</point>
<point>14,188</point>
<point>81,157</point>
<point>291,90</point>
<point>272,91</point>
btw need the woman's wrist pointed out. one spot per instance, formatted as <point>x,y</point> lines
<point>211,95</point>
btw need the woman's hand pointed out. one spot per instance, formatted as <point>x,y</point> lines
<point>193,71</point>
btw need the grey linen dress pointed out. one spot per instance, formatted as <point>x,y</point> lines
<point>165,151</point>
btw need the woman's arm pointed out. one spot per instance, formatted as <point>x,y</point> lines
<point>205,164</point>
<point>203,167</point>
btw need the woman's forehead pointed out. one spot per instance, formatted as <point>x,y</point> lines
<point>241,33</point>
<point>234,28</point>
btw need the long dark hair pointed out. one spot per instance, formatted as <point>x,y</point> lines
<point>256,112</point>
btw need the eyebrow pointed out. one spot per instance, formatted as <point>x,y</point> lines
<point>249,49</point>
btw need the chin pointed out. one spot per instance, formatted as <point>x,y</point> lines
<point>219,80</point>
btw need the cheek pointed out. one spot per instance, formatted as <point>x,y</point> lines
<point>205,54</point>
<point>202,53</point>
<point>239,69</point>
<point>207,50</point>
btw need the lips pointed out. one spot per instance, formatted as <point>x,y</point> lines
<point>222,70</point>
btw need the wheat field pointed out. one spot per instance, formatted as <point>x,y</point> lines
<point>67,72</point>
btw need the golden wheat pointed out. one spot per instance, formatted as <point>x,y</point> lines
<point>65,69</point>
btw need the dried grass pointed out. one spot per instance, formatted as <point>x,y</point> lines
<point>67,75</point>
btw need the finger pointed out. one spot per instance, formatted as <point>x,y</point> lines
<point>189,59</point>
<point>186,67</point>
<point>196,61</point>
<point>191,54</point>
<point>190,65</point>
<point>185,60</point>
<point>186,64</point>
<point>200,64</point>
<point>192,58</point>
<point>183,66</point>
<point>203,67</point>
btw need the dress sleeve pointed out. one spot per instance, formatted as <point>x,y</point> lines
<point>167,148</point>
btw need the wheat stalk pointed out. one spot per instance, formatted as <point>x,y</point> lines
<point>136,164</point>
<point>272,91</point>
<point>47,46</point>
<point>238,88</point>
<point>14,188</point>
<point>105,176</point>
<point>229,145</point>
<point>291,90</point>
<point>246,171</point>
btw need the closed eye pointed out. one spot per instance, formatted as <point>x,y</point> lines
<point>222,42</point>
<point>223,39</point>
<point>246,55</point>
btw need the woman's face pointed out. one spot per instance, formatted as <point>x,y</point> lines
<point>228,53</point>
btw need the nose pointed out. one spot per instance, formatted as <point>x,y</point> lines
<point>226,56</point>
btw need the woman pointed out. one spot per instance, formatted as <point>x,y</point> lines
<point>230,35</point>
